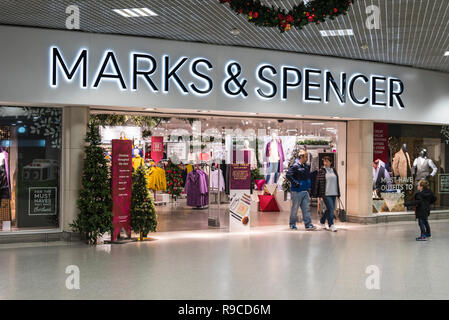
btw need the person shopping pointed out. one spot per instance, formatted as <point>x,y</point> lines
<point>299,176</point>
<point>423,199</point>
<point>327,187</point>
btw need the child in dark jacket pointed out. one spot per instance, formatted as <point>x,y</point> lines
<point>423,199</point>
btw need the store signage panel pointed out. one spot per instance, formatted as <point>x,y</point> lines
<point>443,183</point>
<point>98,70</point>
<point>42,201</point>
<point>121,186</point>
<point>270,82</point>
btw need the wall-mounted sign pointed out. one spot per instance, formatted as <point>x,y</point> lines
<point>140,72</point>
<point>42,201</point>
<point>443,183</point>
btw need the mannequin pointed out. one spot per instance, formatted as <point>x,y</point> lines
<point>137,159</point>
<point>381,177</point>
<point>253,160</point>
<point>4,175</point>
<point>275,156</point>
<point>401,163</point>
<point>123,136</point>
<point>422,166</point>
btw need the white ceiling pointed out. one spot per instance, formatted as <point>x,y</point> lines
<point>412,32</point>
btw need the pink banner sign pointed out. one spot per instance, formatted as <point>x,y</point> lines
<point>121,186</point>
<point>380,137</point>
<point>240,177</point>
<point>157,148</point>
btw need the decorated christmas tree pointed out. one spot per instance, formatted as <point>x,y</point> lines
<point>94,203</point>
<point>143,212</point>
<point>174,179</point>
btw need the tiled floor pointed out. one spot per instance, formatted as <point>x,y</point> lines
<point>268,263</point>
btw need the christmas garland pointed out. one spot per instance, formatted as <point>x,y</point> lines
<point>302,14</point>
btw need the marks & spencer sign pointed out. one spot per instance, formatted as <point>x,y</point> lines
<point>198,76</point>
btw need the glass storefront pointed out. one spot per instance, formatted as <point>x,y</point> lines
<point>212,145</point>
<point>30,162</point>
<point>403,155</point>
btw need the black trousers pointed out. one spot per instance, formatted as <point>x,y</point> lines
<point>424,226</point>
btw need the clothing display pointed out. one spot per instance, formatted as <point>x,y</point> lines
<point>196,188</point>
<point>275,153</point>
<point>381,178</point>
<point>401,164</point>
<point>4,176</point>
<point>424,168</point>
<point>137,162</point>
<point>156,179</point>
<point>217,182</point>
<point>204,156</point>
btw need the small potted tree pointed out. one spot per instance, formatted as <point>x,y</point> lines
<point>143,212</point>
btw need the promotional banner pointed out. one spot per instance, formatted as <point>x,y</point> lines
<point>380,142</point>
<point>121,186</point>
<point>240,177</point>
<point>157,148</point>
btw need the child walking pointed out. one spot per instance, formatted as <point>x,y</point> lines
<point>423,199</point>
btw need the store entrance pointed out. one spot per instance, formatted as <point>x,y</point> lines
<point>194,178</point>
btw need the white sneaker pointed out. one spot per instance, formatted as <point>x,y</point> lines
<point>333,228</point>
<point>322,226</point>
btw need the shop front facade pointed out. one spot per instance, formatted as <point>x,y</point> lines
<point>212,106</point>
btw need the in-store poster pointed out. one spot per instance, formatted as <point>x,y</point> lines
<point>121,186</point>
<point>240,177</point>
<point>157,148</point>
<point>380,140</point>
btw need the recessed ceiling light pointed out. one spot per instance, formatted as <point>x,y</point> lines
<point>135,12</point>
<point>336,117</point>
<point>446,53</point>
<point>235,32</point>
<point>339,32</point>
<point>150,109</point>
<point>364,46</point>
<point>317,123</point>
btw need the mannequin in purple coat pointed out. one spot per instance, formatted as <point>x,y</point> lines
<point>275,156</point>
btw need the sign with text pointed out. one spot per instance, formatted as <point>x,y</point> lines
<point>42,201</point>
<point>121,186</point>
<point>240,177</point>
<point>157,148</point>
<point>443,183</point>
<point>380,142</point>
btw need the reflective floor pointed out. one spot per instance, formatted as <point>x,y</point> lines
<point>269,263</point>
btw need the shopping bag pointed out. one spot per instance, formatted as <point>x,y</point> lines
<point>321,207</point>
<point>341,212</point>
<point>268,203</point>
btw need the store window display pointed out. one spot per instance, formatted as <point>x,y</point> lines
<point>30,159</point>
<point>419,152</point>
<point>205,148</point>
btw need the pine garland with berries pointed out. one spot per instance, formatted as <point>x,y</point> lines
<point>173,174</point>
<point>314,11</point>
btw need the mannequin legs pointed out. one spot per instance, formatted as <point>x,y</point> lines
<point>273,167</point>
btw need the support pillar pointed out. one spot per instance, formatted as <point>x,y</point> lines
<point>359,170</point>
<point>75,121</point>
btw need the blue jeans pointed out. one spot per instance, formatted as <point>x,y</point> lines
<point>328,215</point>
<point>424,226</point>
<point>273,167</point>
<point>300,199</point>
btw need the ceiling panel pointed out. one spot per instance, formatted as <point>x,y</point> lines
<point>412,32</point>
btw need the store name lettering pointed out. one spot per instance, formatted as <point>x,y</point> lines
<point>317,85</point>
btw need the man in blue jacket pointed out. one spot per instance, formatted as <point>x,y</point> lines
<point>299,176</point>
